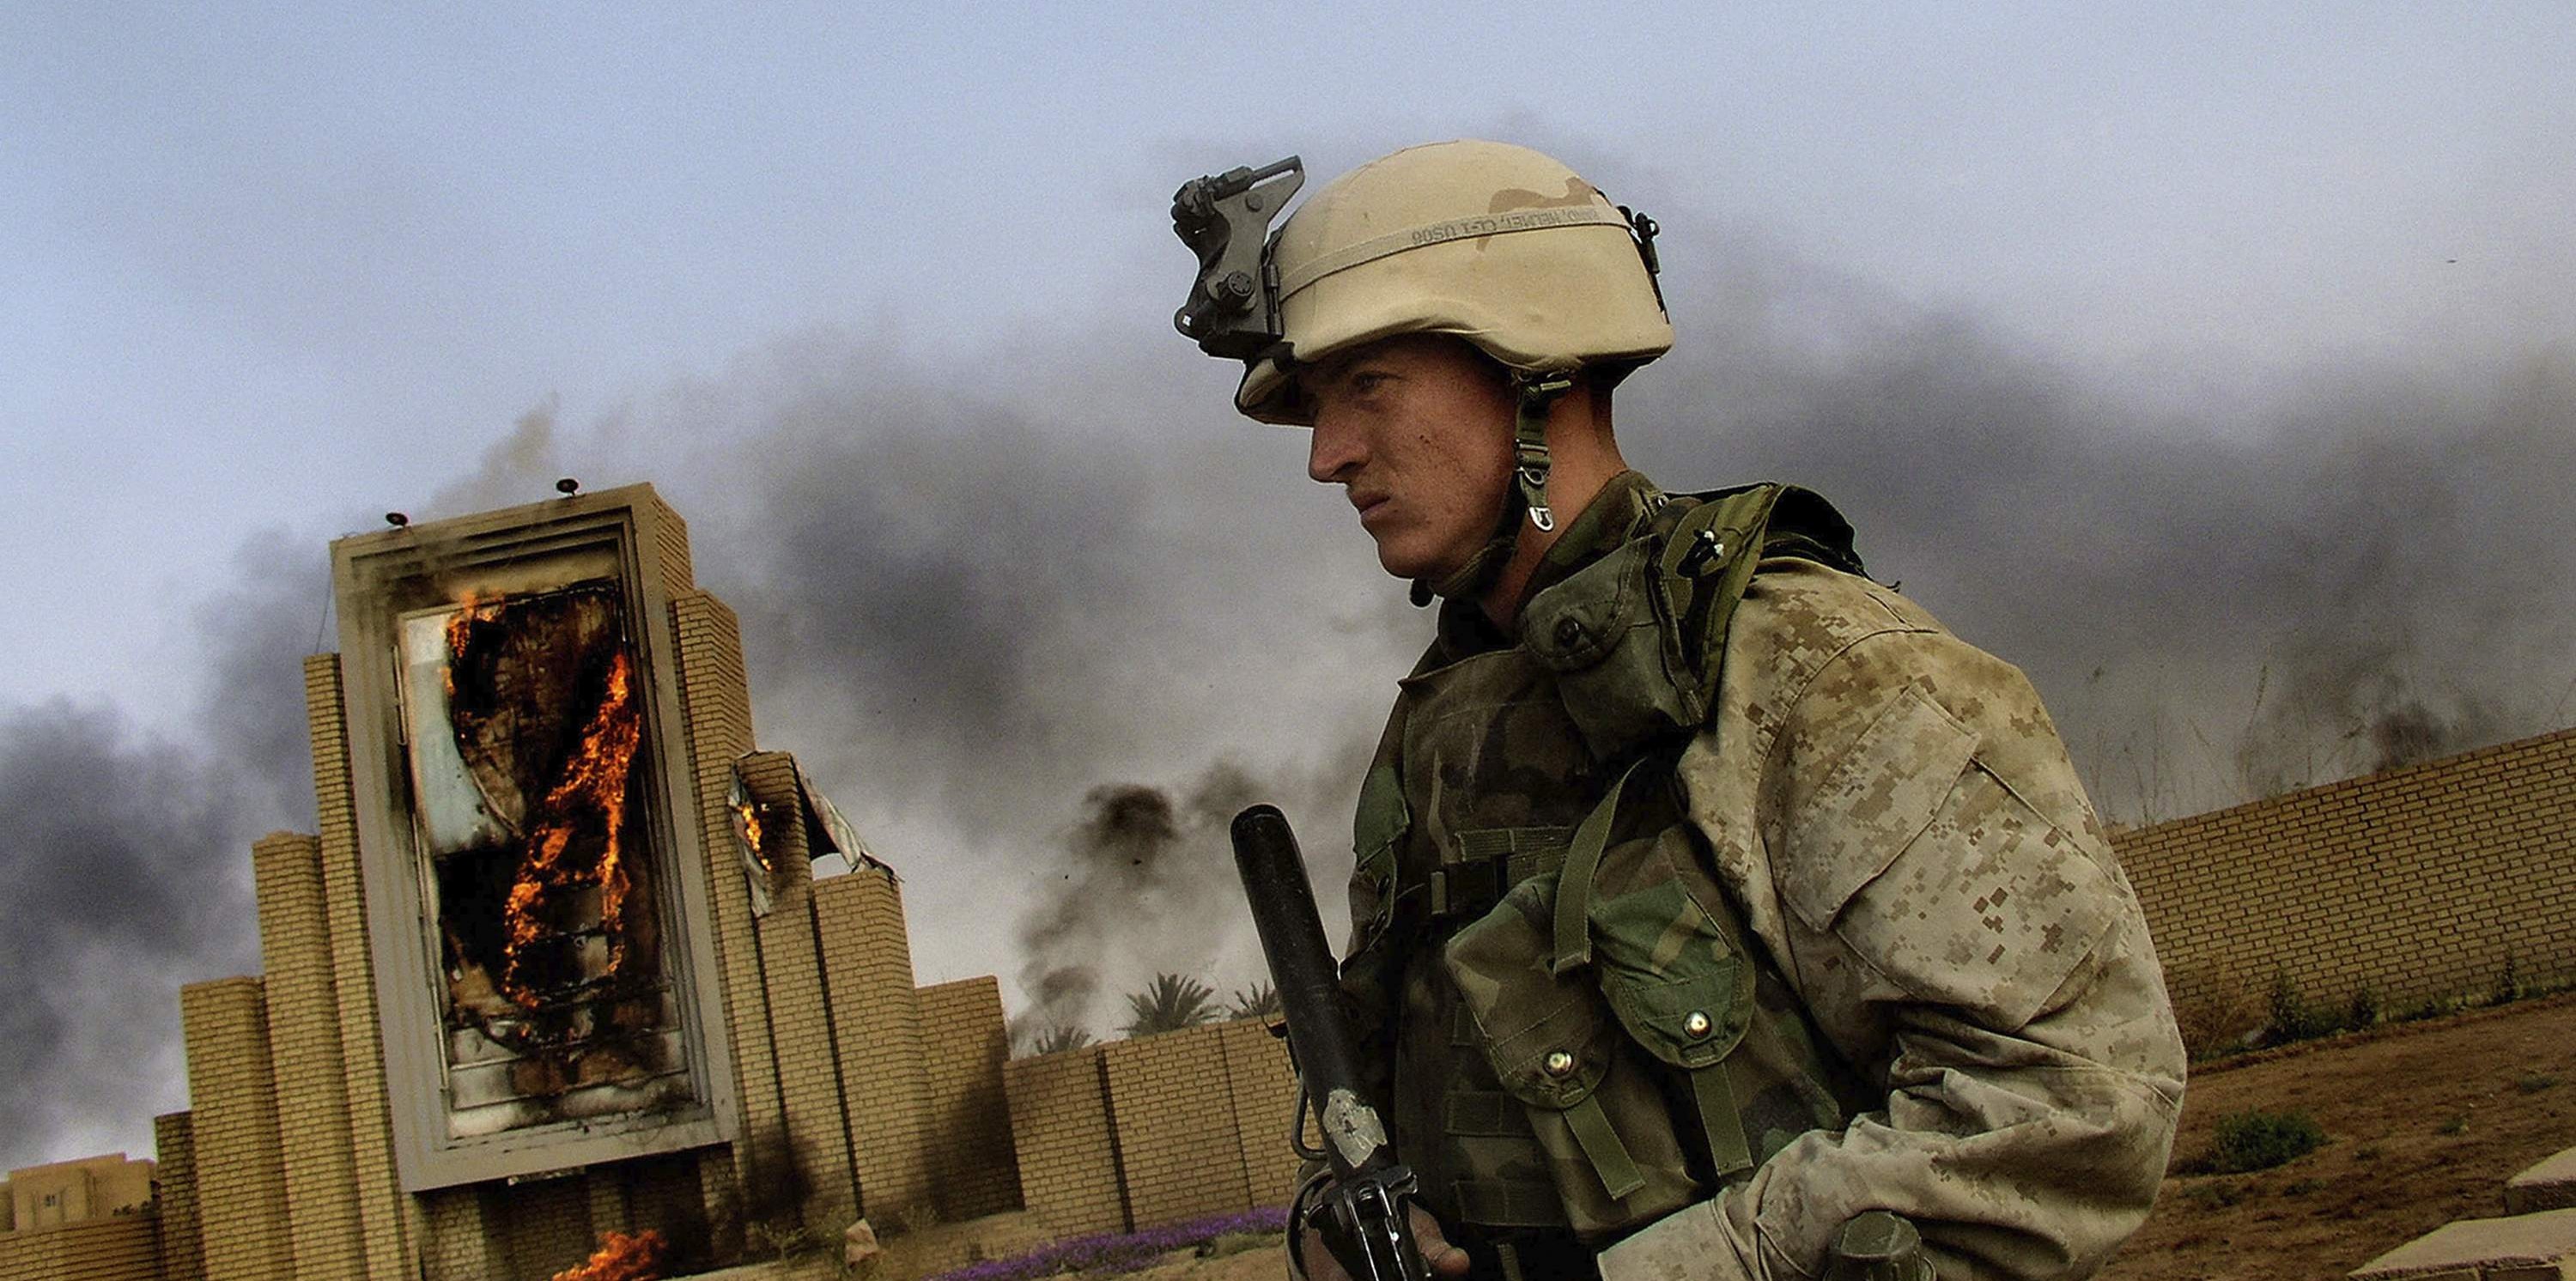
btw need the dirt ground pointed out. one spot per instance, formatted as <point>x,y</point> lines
<point>2424,1123</point>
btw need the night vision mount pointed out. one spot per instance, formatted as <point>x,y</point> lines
<point>1224,218</point>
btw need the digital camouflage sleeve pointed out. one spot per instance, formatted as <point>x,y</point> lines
<point>1903,830</point>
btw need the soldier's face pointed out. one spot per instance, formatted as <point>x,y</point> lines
<point>1417,429</point>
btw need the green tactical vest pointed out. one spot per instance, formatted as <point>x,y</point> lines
<point>1582,1034</point>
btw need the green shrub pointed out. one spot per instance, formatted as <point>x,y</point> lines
<point>2293,1018</point>
<point>2508,983</point>
<point>2259,1140</point>
<point>2365,1008</point>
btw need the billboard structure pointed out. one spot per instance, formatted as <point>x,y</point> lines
<point>534,879</point>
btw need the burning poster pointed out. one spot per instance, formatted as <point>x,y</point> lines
<point>524,726</point>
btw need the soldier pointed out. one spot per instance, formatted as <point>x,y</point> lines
<point>1717,913</point>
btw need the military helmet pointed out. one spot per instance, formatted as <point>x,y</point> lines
<point>1500,245</point>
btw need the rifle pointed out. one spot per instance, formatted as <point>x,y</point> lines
<point>1363,1212</point>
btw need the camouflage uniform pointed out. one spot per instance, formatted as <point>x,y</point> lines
<point>1931,986</point>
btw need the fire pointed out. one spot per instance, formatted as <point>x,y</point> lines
<point>471,609</point>
<point>591,794</point>
<point>621,1258</point>
<point>750,816</point>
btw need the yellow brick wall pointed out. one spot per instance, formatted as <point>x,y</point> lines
<point>182,1250</point>
<point>716,703</point>
<point>882,1061</point>
<point>385,1226</point>
<point>241,1189</point>
<point>1264,1088</point>
<point>304,1049</point>
<point>1178,1145</point>
<point>800,1011</point>
<point>1060,1125</point>
<point>456,1243</point>
<point>543,1225</point>
<point>120,1248</point>
<point>2416,882</point>
<point>967,1043</point>
<point>673,549</point>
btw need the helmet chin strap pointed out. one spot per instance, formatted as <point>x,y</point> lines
<point>1527,496</point>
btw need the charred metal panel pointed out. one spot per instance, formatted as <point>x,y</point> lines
<point>535,884</point>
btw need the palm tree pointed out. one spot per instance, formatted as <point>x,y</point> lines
<point>1261,1001</point>
<point>1059,1038</point>
<point>1168,1004</point>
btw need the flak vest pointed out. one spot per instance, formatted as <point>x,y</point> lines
<point>1583,1035</point>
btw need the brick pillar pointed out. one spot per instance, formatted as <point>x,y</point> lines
<point>174,1195</point>
<point>304,1048</point>
<point>241,1187</point>
<point>1264,1086</point>
<point>1060,1126</point>
<point>385,1215</point>
<point>1173,1114</point>
<point>457,1241</point>
<point>975,1169</point>
<point>715,705</point>
<point>800,1014</point>
<point>881,1057</point>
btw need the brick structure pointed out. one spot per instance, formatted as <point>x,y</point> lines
<point>1173,1111</point>
<point>180,1253</point>
<point>240,1167</point>
<point>974,1165</point>
<point>883,1069</point>
<point>386,1219</point>
<point>816,1088</point>
<point>111,1249</point>
<point>1069,1170</point>
<point>2419,882</point>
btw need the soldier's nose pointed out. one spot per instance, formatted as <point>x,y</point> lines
<point>1332,451</point>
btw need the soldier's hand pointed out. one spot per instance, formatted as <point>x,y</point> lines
<point>1442,1258</point>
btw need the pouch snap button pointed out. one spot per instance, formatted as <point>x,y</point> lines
<point>1559,1063</point>
<point>1696,1024</point>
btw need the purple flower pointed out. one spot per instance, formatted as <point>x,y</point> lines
<point>1108,1252</point>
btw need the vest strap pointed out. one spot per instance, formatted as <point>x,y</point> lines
<point>1728,1149</point>
<point>1601,1145</point>
<point>1574,889</point>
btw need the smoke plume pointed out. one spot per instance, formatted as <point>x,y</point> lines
<point>1142,884</point>
<point>981,607</point>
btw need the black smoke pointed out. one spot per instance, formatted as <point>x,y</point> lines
<point>978,591</point>
<point>1143,884</point>
<point>127,856</point>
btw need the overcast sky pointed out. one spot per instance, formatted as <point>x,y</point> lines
<point>2215,362</point>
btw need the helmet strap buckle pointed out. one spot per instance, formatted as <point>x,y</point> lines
<point>1537,393</point>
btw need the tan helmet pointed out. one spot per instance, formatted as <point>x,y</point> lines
<point>1499,245</point>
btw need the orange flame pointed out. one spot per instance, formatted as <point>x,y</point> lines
<point>621,1258</point>
<point>470,609</point>
<point>750,816</point>
<point>592,790</point>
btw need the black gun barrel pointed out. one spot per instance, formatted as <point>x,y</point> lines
<point>1310,994</point>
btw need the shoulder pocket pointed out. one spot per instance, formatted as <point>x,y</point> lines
<point>1872,802</point>
<point>1933,872</point>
